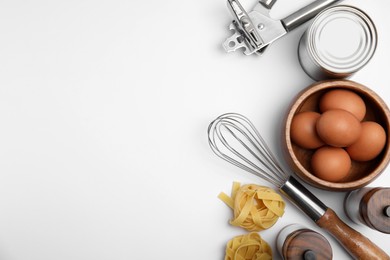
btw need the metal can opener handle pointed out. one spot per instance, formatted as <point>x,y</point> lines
<point>256,30</point>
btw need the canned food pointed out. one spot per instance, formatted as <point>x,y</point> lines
<point>339,42</point>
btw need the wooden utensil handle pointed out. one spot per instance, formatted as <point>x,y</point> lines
<point>355,243</point>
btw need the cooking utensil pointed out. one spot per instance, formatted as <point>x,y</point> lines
<point>369,206</point>
<point>296,242</point>
<point>234,138</point>
<point>256,30</point>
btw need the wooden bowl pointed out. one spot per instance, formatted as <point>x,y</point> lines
<point>361,173</point>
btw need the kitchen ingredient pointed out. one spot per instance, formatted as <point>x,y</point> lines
<point>234,138</point>
<point>345,100</point>
<point>331,163</point>
<point>338,43</point>
<point>255,207</point>
<point>338,128</point>
<point>370,142</point>
<point>303,130</point>
<point>250,246</point>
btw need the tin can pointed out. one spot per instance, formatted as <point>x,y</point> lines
<point>370,207</point>
<point>296,242</point>
<point>339,42</point>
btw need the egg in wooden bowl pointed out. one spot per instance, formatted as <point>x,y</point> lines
<point>336,135</point>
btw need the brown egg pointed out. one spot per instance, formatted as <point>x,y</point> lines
<point>303,130</point>
<point>345,100</point>
<point>331,163</point>
<point>370,142</point>
<point>338,128</point>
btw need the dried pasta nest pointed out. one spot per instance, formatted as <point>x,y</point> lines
<point>248,247</point>
<point>255,207</point>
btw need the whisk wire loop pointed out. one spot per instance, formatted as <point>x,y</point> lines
<point>231,131</point>
<point>254,142</point>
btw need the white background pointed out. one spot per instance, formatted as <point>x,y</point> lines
<point>104,107</point>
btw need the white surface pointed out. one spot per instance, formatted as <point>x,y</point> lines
<point>104,107</point>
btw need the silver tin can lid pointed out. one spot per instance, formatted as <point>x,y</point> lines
<point>341,40</point>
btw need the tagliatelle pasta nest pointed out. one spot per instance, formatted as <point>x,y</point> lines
<point>255,207</point>
<point>248,247</point>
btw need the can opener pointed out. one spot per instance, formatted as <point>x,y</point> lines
<point>256,30</point>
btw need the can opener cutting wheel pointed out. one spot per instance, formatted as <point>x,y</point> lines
<point>256,30</point>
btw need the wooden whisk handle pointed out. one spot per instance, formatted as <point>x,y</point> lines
<point>355,243</point>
